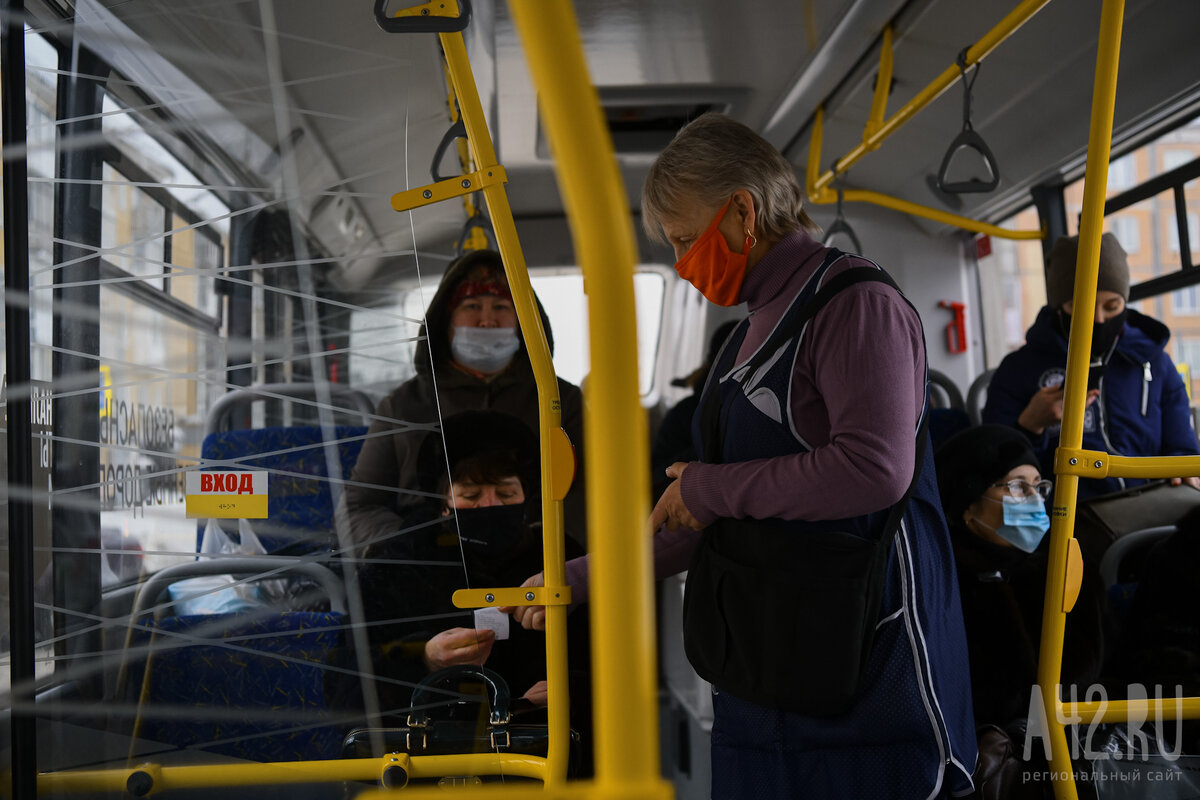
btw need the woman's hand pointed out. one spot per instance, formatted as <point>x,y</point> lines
<point>1192,482</point>
<point>670,509</point>
<point>1046,408</point>
<point>531,618</point>
<point>537,694</point>
<point>459,646</point>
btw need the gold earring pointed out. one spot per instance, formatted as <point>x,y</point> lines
<point>750,236</point>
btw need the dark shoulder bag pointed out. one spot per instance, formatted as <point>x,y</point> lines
<point>782,618</point>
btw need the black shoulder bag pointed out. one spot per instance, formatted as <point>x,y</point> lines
<point>781,618</point>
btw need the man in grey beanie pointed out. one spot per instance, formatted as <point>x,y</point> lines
<point>1137,403</point>
<point>1060,270</point>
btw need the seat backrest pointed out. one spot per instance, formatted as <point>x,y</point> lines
<point>300,505</point>
<point>943,391</point>
<point>977,396</point>
<point>254,680</point>
<point>231,410</point>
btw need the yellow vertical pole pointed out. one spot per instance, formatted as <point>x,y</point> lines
<point>1078,355</point>
<point>549,404</point>
<point>622,606</point>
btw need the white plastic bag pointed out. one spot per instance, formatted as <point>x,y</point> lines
<point>220,594</point>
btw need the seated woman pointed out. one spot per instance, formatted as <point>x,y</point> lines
<point>994,495</point>
<point>483,531</point>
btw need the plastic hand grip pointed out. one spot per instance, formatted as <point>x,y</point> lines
<point>840,226</point>
<point>426,23</point>
<point>972,141</point>
<point>456,131</point>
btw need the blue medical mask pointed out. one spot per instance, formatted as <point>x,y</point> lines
<point>484,349</point>
<point>1025,522</point>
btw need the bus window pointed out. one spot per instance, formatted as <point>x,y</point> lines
<point>1150,235</point>
<point>162,358</point>
<point>383,340</point>
<point>1012,281</point>
<point>562,295</point>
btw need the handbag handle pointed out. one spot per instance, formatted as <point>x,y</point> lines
<point>446,680</point>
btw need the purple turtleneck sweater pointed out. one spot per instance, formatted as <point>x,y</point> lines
<point>856,396</point>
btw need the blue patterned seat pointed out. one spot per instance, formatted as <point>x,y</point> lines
<point>254,692</point>
<point>249,684</point>
<point>300,507</point>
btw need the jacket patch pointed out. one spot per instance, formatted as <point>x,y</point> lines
<point>1055,376</point>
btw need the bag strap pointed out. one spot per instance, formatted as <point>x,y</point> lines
<point>710,418</point>
<point>441,684</point>
<point>711,411</point>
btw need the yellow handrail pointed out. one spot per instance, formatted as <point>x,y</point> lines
<point>975,53</point>
<point>155,778</point>
<point>883,87</point>
<point>826,196</point>
<point>476,238</point>
<point>877,129</point>
<point>549,404</point>
<point>622,603</point>
<point>1071,460</point>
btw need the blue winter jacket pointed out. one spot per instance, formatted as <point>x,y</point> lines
<point>1142,409</point>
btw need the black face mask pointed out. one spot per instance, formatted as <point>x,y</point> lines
<point>1104,334</point>
<point>490,535</point>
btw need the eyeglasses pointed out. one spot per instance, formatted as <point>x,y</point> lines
<point>1020,489</point>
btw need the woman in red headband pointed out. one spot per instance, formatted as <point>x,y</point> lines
<point>470,356</point>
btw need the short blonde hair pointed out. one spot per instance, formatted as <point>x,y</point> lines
<point>708,160</point>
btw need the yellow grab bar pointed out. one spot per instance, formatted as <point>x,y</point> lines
<point>976,53</point>
<point>549,404</point>
<point>825,196</point>
<point>622,604</point>
<point>1071,461</point>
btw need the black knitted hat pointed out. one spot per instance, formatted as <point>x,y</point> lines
<point>480,440</point>
<point>973,460</point>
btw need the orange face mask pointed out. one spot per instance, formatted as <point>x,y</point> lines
<point>712,267</point>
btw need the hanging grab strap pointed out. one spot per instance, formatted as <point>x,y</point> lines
<point>840,225</point>
<point>971,140</point>
<point>456,131</point>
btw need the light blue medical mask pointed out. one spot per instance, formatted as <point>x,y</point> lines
<point>484,349</point>
<point>1025,522</point>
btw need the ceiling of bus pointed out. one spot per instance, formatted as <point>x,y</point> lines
<point>361,111</point>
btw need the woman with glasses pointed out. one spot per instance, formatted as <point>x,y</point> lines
<point>994,497</point>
